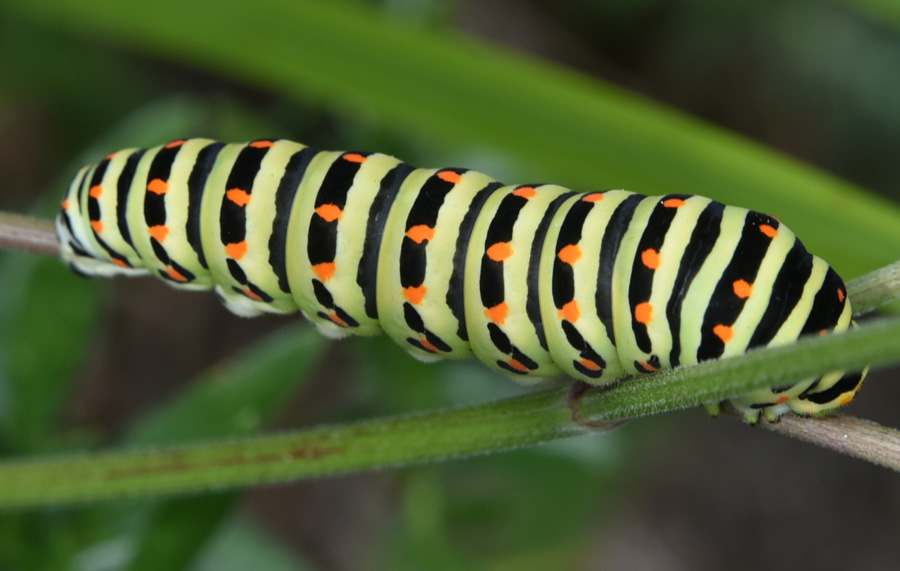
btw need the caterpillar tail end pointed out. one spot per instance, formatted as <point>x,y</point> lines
<point>810,398</point>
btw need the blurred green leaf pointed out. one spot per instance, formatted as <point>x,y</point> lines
<point>46,325</point>
<point>560,124</point>
<point>238,396</point>
<point>241,546</point>
<point>67,70</point>
<point>887,11</point>
<point>529,510</point>
<point>179,530</point>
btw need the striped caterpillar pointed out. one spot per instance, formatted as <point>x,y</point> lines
<point>534,280</point>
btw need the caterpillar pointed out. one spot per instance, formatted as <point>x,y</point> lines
<point>535,280</point>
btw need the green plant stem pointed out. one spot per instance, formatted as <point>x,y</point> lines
<point>875,289</point>
<point>523,421</point>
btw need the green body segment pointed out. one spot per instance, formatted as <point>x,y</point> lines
<point>534,280</point>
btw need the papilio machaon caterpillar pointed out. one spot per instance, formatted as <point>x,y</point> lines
<point>534,280</point>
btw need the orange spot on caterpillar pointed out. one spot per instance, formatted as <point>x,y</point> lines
<point>570,254</point>
<point>334,317</point>
<point>500,251</point>
<point>112,155</point>
<point>120,263</point>
<point>238,196</point>
<point>249,293</point>
<point>428,345</point>
<point>840,295</point>
<point>415,294</point>
<point>643,312</point>
<point>650,258</point>
<point>498,313</point>
<point>782,399</point>
<point>517,365</point>
<point>354,158</point>
<point>723,332</point>
<point>847,398</point>
<point>593,197</point>
<point>159,232</point>
<point>742,289</point>
<point>158,186</point>
<point>236,250</point>
<point>96,191</point>
<point>590,365</point>
<point>449,176</point>
<point>329,212</point>
<point>673,203</point>
<point>175,143</point>
<point>823,332</point>
<point>525,192</point>
<point>325,270</point>
<point>66,204</point>
<point>261,144</point>
<point>768,230</point>
<point>570,311</point>
<point>420,233</point>
<point>175,275</point>
<point>647,366</point>
<point>97,225</point>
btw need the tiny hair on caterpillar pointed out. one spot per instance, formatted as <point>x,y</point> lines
<point>535,280</point>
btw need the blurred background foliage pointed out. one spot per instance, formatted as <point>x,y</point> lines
<point>88,365</point>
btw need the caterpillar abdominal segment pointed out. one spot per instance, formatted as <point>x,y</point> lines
<point>533,280</point>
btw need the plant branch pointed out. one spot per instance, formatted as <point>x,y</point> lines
<point>28,234</point>
<point>875,289</point>
<point>851,436</point>
<point>402,441</point>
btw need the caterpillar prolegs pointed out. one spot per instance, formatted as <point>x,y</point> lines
<point>534,280</point>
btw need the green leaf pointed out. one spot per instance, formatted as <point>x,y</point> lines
<point>887,11</point>
<point>237,396</point>
<point>46,325</point>
<point>561,125</point>
<point>240,546</point>
<point>179,530</point>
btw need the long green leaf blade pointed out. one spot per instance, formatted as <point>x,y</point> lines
<point>580,131</point>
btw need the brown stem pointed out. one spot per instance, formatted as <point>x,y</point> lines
<point>848,435</point>
<point>28,234</point>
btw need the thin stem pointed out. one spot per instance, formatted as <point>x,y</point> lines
<point>875,289</point>
<point>402,441</point>
<point>28,234</point>
<point>851,436</point>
